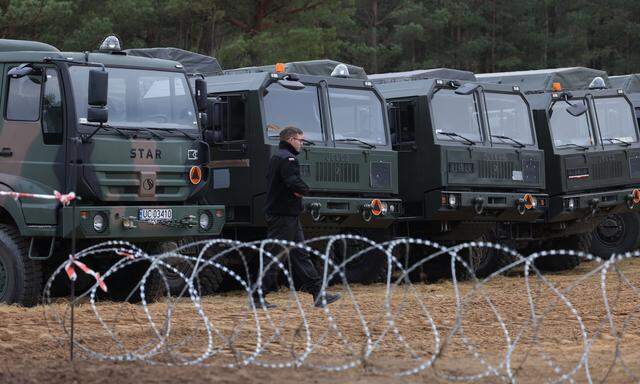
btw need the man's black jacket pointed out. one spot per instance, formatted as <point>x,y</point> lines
<point>284,182</point>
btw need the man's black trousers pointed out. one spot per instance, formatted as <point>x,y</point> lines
<point>305,275</point>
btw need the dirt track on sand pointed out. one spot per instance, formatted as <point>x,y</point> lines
<point>32,349</point>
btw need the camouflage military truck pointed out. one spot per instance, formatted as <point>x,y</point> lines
<point>590,137</point>
<point>468,158</point>
<point>121,132</point>
<point>347,161</point>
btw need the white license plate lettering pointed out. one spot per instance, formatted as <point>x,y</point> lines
<point>155,214</point>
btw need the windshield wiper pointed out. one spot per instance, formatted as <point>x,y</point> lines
<point>151,132</point>
<point>108,128</point>
<point>354,140</point>
<point>616,140</point>
<point>576,146</point>
<point>305,141</point>
<point>185,134</point>
<point>516,142</point>
<point>453,134</point>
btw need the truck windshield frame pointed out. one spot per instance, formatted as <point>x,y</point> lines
<point>447,115</point>
<point>284,107</point>
<point>140,98</point>
<point>560,122</point>
<point>357,114</point>
<point>616,120</point>
<point>508,115</point>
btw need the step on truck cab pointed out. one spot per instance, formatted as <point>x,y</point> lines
<point>590,136</point>
<point>468,155</point>
<point>122,132</point>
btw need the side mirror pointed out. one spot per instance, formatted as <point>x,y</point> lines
<point>97,115</point>
<point>201,95</point>
<point>577,109</point>
<point>98,87</point>
<point>20,71</point>
<point>467,88</point>
<point>291,84</point>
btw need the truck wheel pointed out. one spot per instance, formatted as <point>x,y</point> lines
<point>618,233</point>
<point>20,277</point>
<point>484,261</point>
<point>580,242</point>
<point>368,268</point>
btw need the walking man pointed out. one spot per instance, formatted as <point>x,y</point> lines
<point>285,189</point>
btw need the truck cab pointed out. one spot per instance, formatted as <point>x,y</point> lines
<point>468,155</point>
<point>347,161</point>
<point>121,132</point>
<point>590,136</point>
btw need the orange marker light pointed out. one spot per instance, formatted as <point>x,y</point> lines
<point>556,87</point>
<point>280,67</point>
<point>195,175</point>
<point>530,201</point>
<point>219,213</point>
<point>376,207</point>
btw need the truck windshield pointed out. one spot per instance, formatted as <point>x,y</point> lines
<point>567,129</point>
<point>297,108</point>
<point>357,114</point>
<point>508,117</point>
<point>140,98</point>
<point>453,113</point>
<point>616,120</point>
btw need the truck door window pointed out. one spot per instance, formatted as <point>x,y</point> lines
<point>298,108</point>
<point>402,122</point>
<point>568,129</point>
<point>52,108</point>
<point>615,118</point>
<point>230,124</point>
<point>509,116</point>
<point>455,113</point>
<point>23,100</point>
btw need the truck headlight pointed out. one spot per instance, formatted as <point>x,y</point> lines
<point>99,222</point>
<point>453,200</point>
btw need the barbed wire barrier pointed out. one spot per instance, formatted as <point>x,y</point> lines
<point>566,327</point>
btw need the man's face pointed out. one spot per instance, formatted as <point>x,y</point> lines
<point>296,141</point>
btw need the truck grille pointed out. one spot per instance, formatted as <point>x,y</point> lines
<point>604,168</point>
<point>634,165</point>
<point>531,170</point>
<point>495,169</point>
<point>333,172</point>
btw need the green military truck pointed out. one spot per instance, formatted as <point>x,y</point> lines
<point>590,137</point>
<point>121,132</point>
<point>468,158</point>
<point>620,232</point>
<point>347,160</point>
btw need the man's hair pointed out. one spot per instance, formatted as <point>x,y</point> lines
<point>289,132</point>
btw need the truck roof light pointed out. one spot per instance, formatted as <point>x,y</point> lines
<point>110,43</point>
<point>556,87</point>
<point>597,83</point>
<point>340,70</point>
<point>279,67</point>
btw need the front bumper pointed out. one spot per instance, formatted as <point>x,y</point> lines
<point>350,211</point>
<point>589,205</point>
<point>122,222</point>
<point>484,206</point>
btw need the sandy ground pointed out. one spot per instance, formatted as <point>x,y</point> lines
<point>33,347</point>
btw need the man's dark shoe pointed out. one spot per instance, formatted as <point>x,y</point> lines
<point>258,304</point>
<point>329,298</point>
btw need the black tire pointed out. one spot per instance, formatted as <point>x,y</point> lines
<point>22,281</point>
<point>483,261</point>
<point>368,268</point>
<point>618,233</point>
<point>579,242</point>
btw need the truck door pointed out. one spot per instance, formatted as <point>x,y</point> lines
<point>31,140</point>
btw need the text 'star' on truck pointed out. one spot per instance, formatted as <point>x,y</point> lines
<point>347,159</point>
<point>470,163</point>
<point>590,136</point>
<point>121,132</point>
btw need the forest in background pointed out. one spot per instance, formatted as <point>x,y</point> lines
<point>381,36</point>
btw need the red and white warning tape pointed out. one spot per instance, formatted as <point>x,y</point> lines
<point>71,272</point>
<point>65,199</point>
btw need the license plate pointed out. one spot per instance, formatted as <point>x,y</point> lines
<point>148,214</point>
